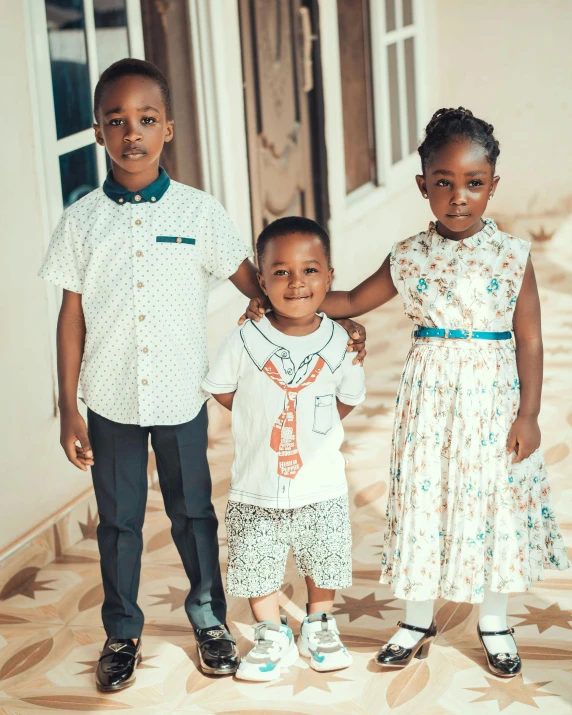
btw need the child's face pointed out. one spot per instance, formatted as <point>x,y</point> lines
<point>132,123</point>
<point>459,182</point>
<point>295,275</point>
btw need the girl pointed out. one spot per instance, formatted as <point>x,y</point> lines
<point>469,516</point>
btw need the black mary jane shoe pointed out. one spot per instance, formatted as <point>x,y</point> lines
<point>217,651</point>
<point>116,667</point>
<point>505,665</point>
<point>392,655</point>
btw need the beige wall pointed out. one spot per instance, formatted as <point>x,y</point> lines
<point>36,478</point>
<point>509,62</point>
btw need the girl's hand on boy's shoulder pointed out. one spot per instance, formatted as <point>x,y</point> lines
<point>356,342</point>
<point>255,310</point>
<point>523,438</point>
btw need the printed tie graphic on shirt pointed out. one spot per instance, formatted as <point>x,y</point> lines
<point>283,438</point>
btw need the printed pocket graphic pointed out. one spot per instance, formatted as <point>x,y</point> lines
<point>323,414</point>
<point>176,239</point>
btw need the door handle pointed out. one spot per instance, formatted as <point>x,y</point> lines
<point>307,39</point>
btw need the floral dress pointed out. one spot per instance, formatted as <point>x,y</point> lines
<point>460,515</point>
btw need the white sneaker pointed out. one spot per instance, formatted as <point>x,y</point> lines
<point>274,649</point>
<point>320,641</point>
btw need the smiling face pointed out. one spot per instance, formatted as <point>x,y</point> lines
<point>458,183</point>
<point>133,126</point>
<point>295,275</point>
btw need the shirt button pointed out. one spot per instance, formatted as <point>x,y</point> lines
<point>145,350</point>
<point>141,318</point>
<point>139,254</point>
<point>153,199</point>
<point>144,382</point>
<point>284,354</point>
<point>179,240</point>
<point>121,201</point>
<point>138,222</point>
<point>139,285</point>
<point>137,197</point>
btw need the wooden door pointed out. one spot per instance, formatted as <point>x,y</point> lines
<point>282,113</point>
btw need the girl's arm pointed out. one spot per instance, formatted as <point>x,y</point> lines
<point>524,436</point>
<point>373,292</point>
<point>71,343</point>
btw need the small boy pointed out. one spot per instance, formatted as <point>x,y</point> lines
<point>289,382</point>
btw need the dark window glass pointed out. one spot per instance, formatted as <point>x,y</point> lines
<point>390,24</point>
<point>407,12</point>
<point>78,171</point>
<point>70,73</point>
<point>394,103</point>
<point>355,63</point>
<point>110,31</point>
<point>411,98</point>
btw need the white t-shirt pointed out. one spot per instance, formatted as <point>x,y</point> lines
<point>285,423</point>
<point>142,264</point>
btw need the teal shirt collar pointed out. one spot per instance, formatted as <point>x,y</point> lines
<point>152,193</point>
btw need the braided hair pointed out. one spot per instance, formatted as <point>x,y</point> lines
<point>447,124</point>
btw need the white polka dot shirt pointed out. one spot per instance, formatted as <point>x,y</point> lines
<point>142,264</point>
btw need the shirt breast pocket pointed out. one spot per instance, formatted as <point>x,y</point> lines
<point>179,240</point>
<point>323,406</point>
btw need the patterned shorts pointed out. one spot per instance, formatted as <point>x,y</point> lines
<point>259,540</point>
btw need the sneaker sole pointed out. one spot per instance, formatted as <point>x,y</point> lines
<point>258,676</point>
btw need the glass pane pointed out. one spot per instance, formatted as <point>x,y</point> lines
<point>411,98</point>
<point>355,64</point>
<point>394,103</point>
<point>407,12</point>
<point>78,171</point>
<point>389,15</point>
<point>110,31</point>
<point>70,73</point>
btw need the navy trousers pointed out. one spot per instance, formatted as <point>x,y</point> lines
<point>120,482</point>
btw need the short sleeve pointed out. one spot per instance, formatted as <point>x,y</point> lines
<point>223,374</point>
<point>351,390</point>
<point>224,249</point>
<point>64,264</point>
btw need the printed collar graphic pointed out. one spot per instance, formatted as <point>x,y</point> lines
<point>261,349</point>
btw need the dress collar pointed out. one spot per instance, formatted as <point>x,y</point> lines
<point>488,230</point>
<point>154,192</point>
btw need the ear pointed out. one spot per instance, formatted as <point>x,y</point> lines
<point>421,185</point>
<point>494,185</point>
<point>98,135</point>
<point>169,130</point>
<point>262,283</point>
<point>330,277</point>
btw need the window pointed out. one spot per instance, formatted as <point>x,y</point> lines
<point>379,48</point>
<point>75,40</point>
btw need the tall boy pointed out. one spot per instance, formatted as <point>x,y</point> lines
<point>134,260</point>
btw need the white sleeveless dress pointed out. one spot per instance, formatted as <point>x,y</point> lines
<point>460,515</point>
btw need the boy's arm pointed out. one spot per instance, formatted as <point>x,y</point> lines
<point>71,342</point>
<point>343,409</point>
<point>524,436</point>
<point>225,399</point>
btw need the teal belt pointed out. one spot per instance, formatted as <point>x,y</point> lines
<point>461,334</point>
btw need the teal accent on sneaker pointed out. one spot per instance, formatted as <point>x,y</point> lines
<point>266,668</point>
<point>319,658</point>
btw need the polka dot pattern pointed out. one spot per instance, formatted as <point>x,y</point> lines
<point>144,301</point>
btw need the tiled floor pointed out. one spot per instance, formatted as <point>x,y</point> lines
<point>50,631</point>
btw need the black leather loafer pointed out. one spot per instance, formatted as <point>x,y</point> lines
<point>116,667</point>
<point>505,665</point>
<point>392,655</point>
<point>217,651</point>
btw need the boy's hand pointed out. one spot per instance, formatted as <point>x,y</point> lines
<point>74,429</point>
<point>255,310</point>
<point>523,438</point>
<point>356,342</point>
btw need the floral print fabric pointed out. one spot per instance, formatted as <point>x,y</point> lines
<point>460,515</point>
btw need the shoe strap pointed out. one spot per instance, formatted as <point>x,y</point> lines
<point>414,628</point>
<point>506,632</point>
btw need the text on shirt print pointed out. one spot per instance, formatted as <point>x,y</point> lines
<point>283,438</point>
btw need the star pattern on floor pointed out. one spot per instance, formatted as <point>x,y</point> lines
<point>91,665</point>
<point>541,235</point>
<point>24,583</point>
<point>302,678</point>
<point>366,606</point>
<point>507,692</point>
<point>544,618</point>
<point>89,530</point>
<point>175,598</point>
<point>375,410</point>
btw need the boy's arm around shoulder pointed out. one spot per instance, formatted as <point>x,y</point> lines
<point>222,378</point>
<point>351,390</point>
